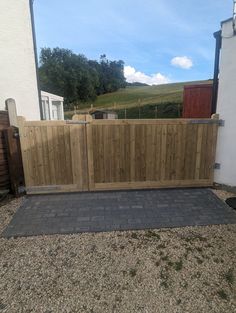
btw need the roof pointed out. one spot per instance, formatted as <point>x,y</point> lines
<point>226,21</point>
<point>51,95</point>
<point>101,111</point>
<point>198,86</point>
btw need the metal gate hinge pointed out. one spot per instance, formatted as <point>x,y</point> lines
<point>221,123</point>
<point>217,166</point>
<point>207,121</point>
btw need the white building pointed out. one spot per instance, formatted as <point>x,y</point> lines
<point>226,105</point>
<point>52,106</point>
<point>18,77</point>
<point>18,62</point>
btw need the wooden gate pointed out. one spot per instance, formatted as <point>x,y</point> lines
<point>61,156</point>
<point>54,156</point>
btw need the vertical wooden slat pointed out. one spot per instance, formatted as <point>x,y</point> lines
<point>56,153</point>
<point>61,153</point>
<point>168,152</point>
<point>95,145</point>
<point>68,165</point>
<point>45,155</point>
<point>75,152</point>
<point>39,156</point>
<point>101,154</point>
<point>143,153</point>
<point>84,158</point>
<point>174,153</point>
<point>149,160</point>
<point>90,157</point>
<point>198,152</point>
<point>157,151</point>
<point>132,153</point>
<point>117,154</point>
<point>26,155</point>
<point>122,153</point>
<point>106,155</point>
<point>208,161</point>
<point>163,152</point>
<point>34,173</point>
<point>193,151</point>
<point>137,168</point>
<point>179,152</point>
<point>127,146</point>
<point>213,150</point>
<point>203,151</point>
<point>51,155</point>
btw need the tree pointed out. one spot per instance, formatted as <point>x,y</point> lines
<point>67,74</point>
<point>76,78</point>
<point>111,75</point>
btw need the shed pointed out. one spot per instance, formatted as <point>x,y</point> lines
<point>105,115</point>
<point>197,101</point>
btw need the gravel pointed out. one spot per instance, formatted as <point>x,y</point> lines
<point>189,269</point>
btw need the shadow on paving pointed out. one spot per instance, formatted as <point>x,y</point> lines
<point>118,210</point>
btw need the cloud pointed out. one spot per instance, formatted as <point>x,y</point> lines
<point>182,62</point>
<point>132,76</point>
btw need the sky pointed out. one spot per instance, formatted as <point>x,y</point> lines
<point>160,41</point>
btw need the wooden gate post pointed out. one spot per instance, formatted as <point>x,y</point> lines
<point>12,113</point>
<point>13,148</point>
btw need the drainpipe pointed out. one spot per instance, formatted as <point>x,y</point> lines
<point>217,36</point>
<point>35,57</point>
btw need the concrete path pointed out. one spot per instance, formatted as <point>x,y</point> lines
<point>120,210</point>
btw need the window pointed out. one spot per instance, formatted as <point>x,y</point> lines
<point>46,111</point>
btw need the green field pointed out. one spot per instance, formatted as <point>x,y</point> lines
<point>142,102</point>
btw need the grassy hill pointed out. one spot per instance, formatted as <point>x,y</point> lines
<point>143,101</point>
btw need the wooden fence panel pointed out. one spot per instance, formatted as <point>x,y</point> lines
<point>4,169</point>
<point>117,154</point>
<point>154,153</point>
<point>54,156</point>
<point>14,159</point>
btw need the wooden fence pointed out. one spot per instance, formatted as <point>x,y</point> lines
<point>61,156</point>
<point>11,169</point>
<point>4,169</point>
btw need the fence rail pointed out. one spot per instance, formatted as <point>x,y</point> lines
<point>117,154</point>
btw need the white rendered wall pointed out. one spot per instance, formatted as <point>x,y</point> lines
<point>17,61</point>
<point>226,107</point>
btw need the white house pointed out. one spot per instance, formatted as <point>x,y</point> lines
<point>18,78</point>
<point>18,61</point>
<point>52,106</point>
<point>226,103</point>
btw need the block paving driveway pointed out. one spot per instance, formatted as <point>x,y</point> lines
<point>118,210</point>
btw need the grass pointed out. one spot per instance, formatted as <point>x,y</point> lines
<point>152,234</point>
<point>133,272</point>
<point>222,294</point>
<point>132,96</point>
<point>178,265</point>
<point>164,278</point>
<point>141,101</point>
<point>165,258</point>
<point>134,236</point>
<point>229,276</point>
